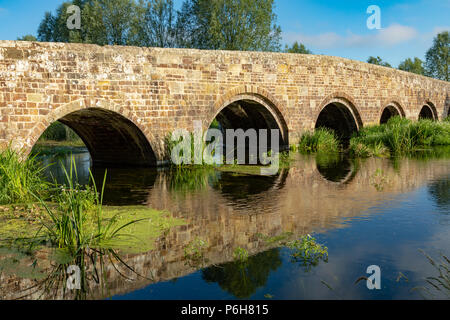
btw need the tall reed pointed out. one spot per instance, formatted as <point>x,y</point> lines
<point>321,140</point>
<point>400,136</point>
<point>20,177</point>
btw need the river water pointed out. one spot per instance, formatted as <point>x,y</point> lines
<point>374,212</point>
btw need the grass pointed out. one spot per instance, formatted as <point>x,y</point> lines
<point>321,140</point>
<point>399,137</point>
<point>20,178</point>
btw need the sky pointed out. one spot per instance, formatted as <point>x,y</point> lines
<point>330,27</point>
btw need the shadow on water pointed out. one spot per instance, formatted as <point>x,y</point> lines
<point>243,278</point>
<point>237,186</point>
<point>336,167</point>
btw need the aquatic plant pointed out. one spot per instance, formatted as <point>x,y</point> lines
<point>240,255</point>
<point>321,140</point>
<point>308,252</point>
<point>20,177</point>
<point>194,252</point>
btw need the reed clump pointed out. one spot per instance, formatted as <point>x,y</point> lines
<point>399,136</point>
<point>19,178</point>
<point>321,140</point>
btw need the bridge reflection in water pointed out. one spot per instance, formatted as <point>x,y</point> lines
<point>234,210</point>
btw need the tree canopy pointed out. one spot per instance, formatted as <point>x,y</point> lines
<point>297,48</point>
<point>378,61</point>
<point>203,24</point>
<point>415,66</point>
<point>438,57</point>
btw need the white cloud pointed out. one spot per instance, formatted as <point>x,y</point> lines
<point>390,36</point>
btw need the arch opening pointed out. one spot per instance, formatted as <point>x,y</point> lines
<point>426,113</point>
<point>112,139</point>
<point>247,114</point>
<point>388,113</point>
<point>339,118</point>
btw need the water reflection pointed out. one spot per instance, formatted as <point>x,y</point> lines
<point>336,167</point>
<point>242,279</point>
<point>361,225</point>
<point>54,166</point>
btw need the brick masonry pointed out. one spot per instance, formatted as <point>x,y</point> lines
<point>160,90</point>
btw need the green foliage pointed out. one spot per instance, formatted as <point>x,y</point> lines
<point>76,220</point>
<point>415,66</point>
<point>399,136</point>
<point>438,57</point>
<point>321,140</point>
<point>240,255</point>
<point>155,24</point>
<point>19,178</point>
<point>378,61</point>
<point>201,24</point>
<point>245,25</point>
<point>297,48</point>
<point>194,252</point>
<point>59,132</point>
<point>28,37</point>
<point>308,252</point>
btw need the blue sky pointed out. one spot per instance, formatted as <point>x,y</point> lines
<point>330,27</point>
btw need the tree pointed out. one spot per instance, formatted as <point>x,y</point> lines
<point>46,28</point>
<point>154,24</point>
<point>297,48</point>
<point>438,57</point>
<point>245,25</point>
<point>415,66</point>
<point>28,37</point>
<point>378,61</point>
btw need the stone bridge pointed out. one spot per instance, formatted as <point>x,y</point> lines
<point>124,101</point>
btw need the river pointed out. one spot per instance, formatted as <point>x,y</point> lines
<point>373,212</point>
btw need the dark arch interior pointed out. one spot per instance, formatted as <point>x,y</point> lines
<point>248,114</point>
<point>338,118</point>
<point>426,113</point>
<point>111,139</point>
<point>388,113</point>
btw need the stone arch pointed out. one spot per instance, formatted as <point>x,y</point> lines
<point>389,109</point>
<point>344,111</point>
<point>255,95</point>
<point>115,121</point>
<point>428,111</point>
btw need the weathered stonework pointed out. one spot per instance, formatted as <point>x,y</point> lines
<point>160,90</point>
